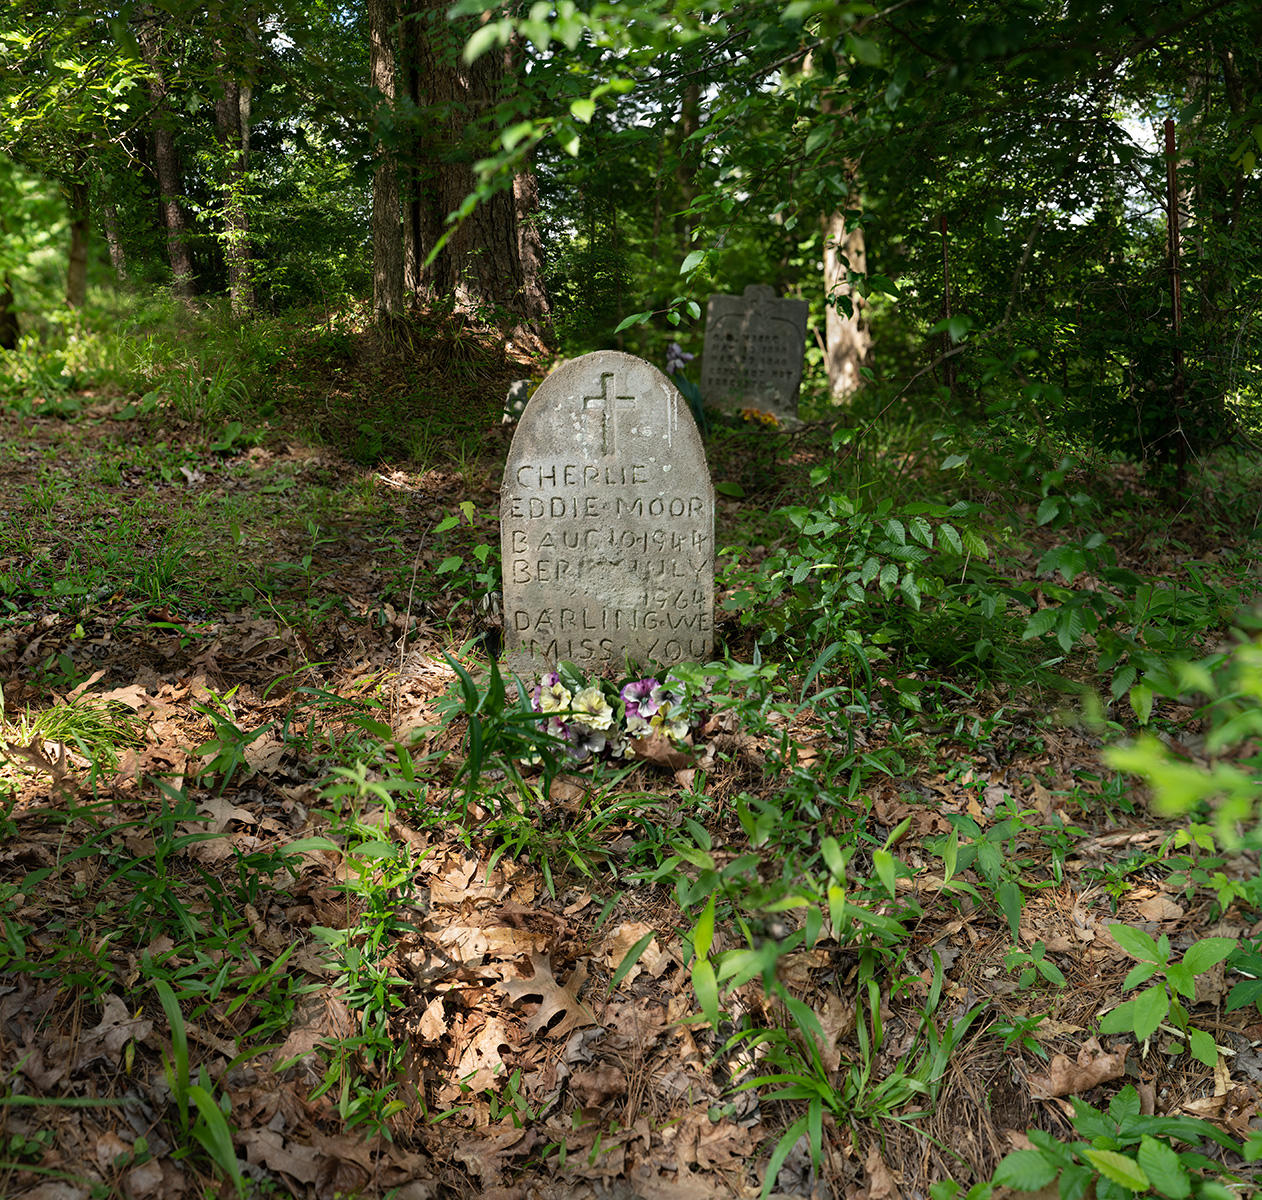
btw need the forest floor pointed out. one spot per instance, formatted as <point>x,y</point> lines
<point>259,932</point>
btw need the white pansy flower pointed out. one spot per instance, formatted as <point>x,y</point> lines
<point>592,709</point>
<point>554,697</point>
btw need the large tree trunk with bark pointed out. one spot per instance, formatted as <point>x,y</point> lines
<point>387,232</point>
<point>165,158</point>
<point>491,261</point>
<point>80,228</point>
<point>232,124</point>
<point>534,295</point>
<point>415,284</point>
<point>847,339</point>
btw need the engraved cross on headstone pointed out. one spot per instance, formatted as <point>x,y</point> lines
<point>608,406</point>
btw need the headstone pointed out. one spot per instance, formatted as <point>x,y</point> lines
<point>515,402</point>
<point>607,523</point>
<point>753,352</point>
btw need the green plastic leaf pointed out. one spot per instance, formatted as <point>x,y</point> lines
<point>1164,1169</point>
<point>1120,1169</point>
<point>1025,1170</point>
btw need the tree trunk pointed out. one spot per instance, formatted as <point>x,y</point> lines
<point>686,169</point>
<point>387,232</point>
<point>848,341</point>
<point>9,330</point>
<point>232,124</point>
<point>80,227</point>
<point>118,257</point>
<point>166,159</point>
<point>489,264</point>
<point>535,304</point>
<point>415,283</point>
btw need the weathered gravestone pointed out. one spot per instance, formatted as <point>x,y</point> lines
<point>607,523</point>
<point>753,351</point>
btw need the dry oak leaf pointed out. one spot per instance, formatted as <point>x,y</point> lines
<point>433,1020</point>
<point>554,998</point>
<point>485,1153</point>
<point>1095,1065</point>
<point>116,1029</point>
<point>618,942</point>
<point>144,1181</point>
<point>659,750</point>
<point>881,1185</point>
<point>268,1148</point>
<point>480,1062</point>
<point>597,1086</point>
<point>1159,908</point>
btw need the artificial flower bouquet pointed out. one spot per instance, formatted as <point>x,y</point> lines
<point>595,719</point>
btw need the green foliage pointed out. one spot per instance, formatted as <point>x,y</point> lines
<point>1168,998</point>
<point>1232,684</point>
<point>879,579</point>
<point>1120,1153</point>
<point>203,1114</point>
<point>1034,965</point>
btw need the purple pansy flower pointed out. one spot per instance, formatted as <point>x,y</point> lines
<point>677,358</point>
<point>637,700</point>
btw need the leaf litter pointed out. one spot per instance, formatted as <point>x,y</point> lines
<point>523,1068</point>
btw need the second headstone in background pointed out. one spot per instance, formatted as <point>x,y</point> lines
<point>607,523</point>
<point>753,352</point>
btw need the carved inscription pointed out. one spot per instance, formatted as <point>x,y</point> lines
<point>753,351</point>
<point>607,523</point>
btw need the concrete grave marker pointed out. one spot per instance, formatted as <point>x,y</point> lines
<point>753,351</point>
<point>607,523</point>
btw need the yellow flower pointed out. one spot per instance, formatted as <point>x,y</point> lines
<point>555,697</point>
<point>592,709</point>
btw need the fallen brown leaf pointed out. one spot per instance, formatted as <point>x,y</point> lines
<point>1064,1078</point>
<point>554,998</point>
